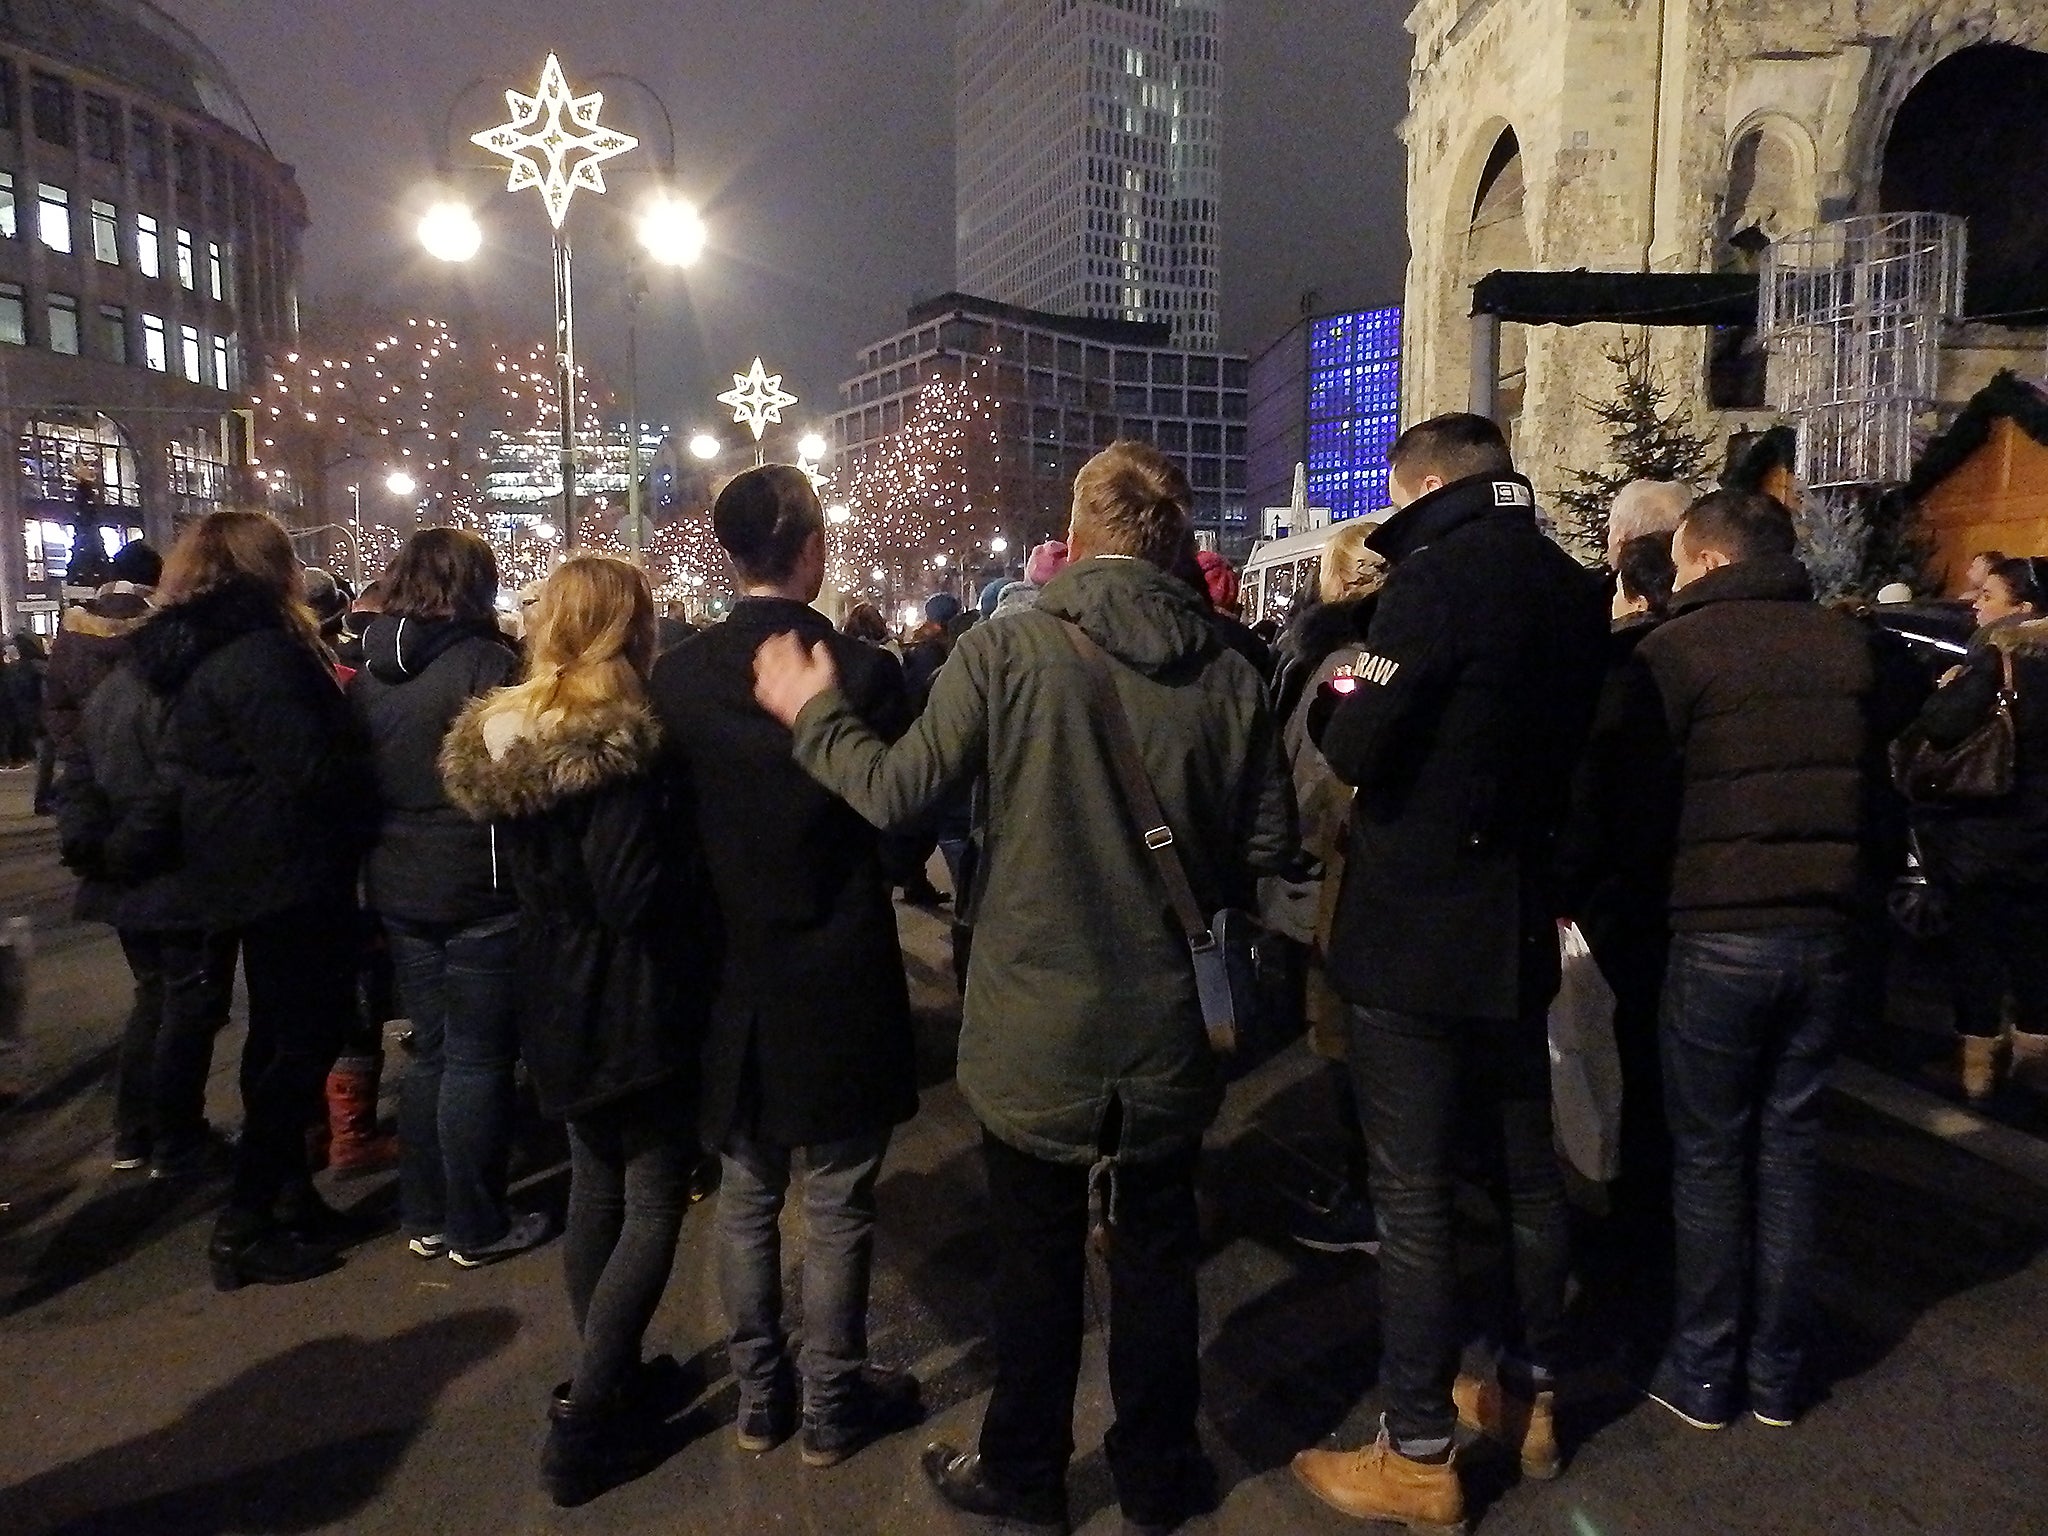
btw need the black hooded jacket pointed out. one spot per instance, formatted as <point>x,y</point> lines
<point>428,862</point>
<point>263,788</point>
<point>1472,704</point>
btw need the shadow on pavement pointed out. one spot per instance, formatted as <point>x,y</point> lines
<point>129,1214</point>
<point>297,1443</point>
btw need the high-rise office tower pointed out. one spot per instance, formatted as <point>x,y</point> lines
<point>1089,176</point>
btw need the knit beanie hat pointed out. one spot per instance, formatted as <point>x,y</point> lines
<point>138,564</point>
<point>1221,580</point>
<point>1046,562</point>
<point>941,607</point>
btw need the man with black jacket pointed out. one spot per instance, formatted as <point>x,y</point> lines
<point>1774,710</point>
<point>809,1044</point>
<point>1465,718</point>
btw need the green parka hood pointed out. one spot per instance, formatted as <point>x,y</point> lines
<point>1138,613</point>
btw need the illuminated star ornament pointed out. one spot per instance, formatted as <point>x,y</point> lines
<point>757,399</point>
<point>554,141</point>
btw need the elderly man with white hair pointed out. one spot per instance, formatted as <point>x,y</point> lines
<point>1645,507</point>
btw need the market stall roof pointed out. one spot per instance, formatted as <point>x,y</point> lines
<point>1627,298</point>
<point>2007,397</point>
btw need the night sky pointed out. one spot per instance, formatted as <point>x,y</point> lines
<point>817,137</point>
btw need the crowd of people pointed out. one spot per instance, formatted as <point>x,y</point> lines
<point>651,870</point>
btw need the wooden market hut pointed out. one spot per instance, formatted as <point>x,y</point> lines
<point>1983,483</point>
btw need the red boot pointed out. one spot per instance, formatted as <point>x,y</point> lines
<point>354,1143</point>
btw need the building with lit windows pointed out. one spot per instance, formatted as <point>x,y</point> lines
<point>1089,176</point>
<point>149,255</point>
<point>1062,389</point>
<point>1327,394</point>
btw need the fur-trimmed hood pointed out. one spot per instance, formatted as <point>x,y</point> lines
<point>115,612</point>
<point>2029,637</point>
<point>547,760</point>
<point>172,644</point>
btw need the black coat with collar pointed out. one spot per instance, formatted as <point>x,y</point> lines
<point>809,1039</point>
<point>264,790</point>
<point>603,942</point>
<point>1483,665</point>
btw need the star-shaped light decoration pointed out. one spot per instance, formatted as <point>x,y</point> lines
<point>757,398</point>
<point>818,478</point>
<point>540,143</point>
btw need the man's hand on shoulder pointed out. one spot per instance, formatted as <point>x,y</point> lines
<point>789,674</point>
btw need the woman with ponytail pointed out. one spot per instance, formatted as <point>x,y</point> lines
<point>563,765</point>
<point>261,800</point>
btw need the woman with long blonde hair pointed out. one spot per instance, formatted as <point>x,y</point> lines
<point>262,795</point>
<point>563,765</point>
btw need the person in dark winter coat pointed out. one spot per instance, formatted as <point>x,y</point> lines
<point>1468,712</point>
<point>261,803</point>
<point>1323,641</point>
<point>93,638</point>
<point>1771,706</point>
<point>1082,1050</point>
<point>184,976</point>
<point>434,878</point>
<point>25,673</point>
<point>808,1047</point>
<point>565,766</point>
<point>1613,859</point>
<point>1993,855</point>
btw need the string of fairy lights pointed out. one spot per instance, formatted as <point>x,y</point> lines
<point>452,412</point>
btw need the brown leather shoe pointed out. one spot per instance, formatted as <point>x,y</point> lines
<point>1379,1483</point>
<point>1526,1426</point>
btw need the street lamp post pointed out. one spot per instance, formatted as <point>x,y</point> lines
<point>556,145</point>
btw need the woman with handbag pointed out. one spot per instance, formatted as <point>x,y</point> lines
<point>1989,848</point>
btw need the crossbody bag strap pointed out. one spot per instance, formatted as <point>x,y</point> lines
<point>1129,766</point>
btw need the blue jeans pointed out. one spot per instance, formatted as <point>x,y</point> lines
<point>839,1240</point>
<point>460,990</point>
<point>1749,1027</point>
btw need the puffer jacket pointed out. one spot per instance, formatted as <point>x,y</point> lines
<point>263,784</point>
<point>1769,703</point>
<point>576,803</point>
<point>92,639</point>
<point>1081,1010</point>
<point>2004,842</point>
<point>428,862</point>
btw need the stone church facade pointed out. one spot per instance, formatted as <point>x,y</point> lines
<point>1682,136</point>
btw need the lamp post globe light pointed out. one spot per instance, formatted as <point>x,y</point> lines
<point>999,546</point>
<point>555,144</point>
<point>705,447</point>
<point>839,514</point>
<point>399,483</point>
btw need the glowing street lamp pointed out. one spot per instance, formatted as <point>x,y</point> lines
<point>998,545</point>
<point>399,483</point>
<point>451,233</point>
<point>706,447</point>
<point>672,232</point>
<point>811,446</point>
<point>839,514</point>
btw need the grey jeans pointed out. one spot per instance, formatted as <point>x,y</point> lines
<point>839,1235</point>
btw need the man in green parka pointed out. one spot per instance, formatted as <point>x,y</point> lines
<point>1082,1049</point>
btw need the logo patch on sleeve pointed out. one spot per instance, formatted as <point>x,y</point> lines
<point>1377,670</point>
<point>1509,493</point>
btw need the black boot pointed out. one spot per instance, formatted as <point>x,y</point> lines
<point>249,1251</point>
<point>961,1483</point>
<point>590,1451</point>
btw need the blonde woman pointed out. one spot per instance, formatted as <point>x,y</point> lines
<point>563,764</point>
<point>1323,641</point>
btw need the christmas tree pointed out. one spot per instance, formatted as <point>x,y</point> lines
<point>1649,438</point>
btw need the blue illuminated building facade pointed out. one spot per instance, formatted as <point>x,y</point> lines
<point>1327,394</point>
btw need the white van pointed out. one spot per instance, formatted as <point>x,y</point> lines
<point>1282,574</point>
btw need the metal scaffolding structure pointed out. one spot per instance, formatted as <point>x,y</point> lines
<point>1853,314</point>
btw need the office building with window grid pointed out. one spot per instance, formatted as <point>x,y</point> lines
<point>1327,394</point>
<point>1089,172</point>
<point>1062,389</point>
<point>149,255</point>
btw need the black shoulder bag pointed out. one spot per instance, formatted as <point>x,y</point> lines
<point>1221,947</point>
<point>1982,766</point>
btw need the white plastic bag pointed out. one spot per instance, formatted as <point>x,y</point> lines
<point>1585,1066</point>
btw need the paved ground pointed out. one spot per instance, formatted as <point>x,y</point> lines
<point>396,1397</point>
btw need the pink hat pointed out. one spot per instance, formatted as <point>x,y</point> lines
<point>1220,578</point>
<point>1046,562</point>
